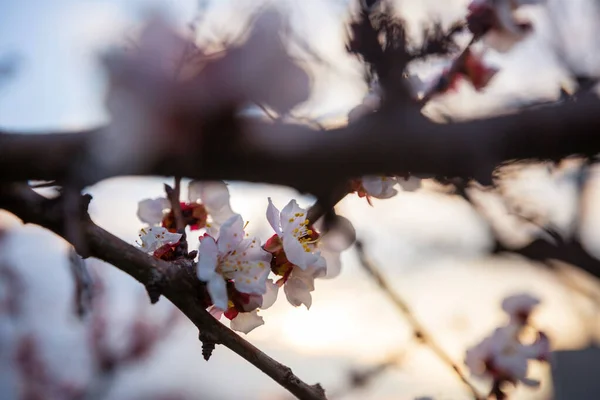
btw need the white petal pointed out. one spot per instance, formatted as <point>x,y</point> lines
<point>519,304</point>
<point>504,12</point>
<point>156,237</point>
<point>270,295</point>
<point>292,216</point>
<point>295,252</point>
<point>273,217</point>
<point>297,292</point>
<point>334,263</point>
<point>246,322</point>
<point>254,301</point>
<point>151,211</point>
<point>231,234</point>
<point>410,184</point>
<point>213,194</point>
<point>339,237</point>
<point>207,259</point>
<point>373,185</point>
<point>253,267</point>
<point>217,289</point>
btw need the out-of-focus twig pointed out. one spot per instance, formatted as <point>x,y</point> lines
<point>420,333</point>
<point>82,279</point>
<point>361,378</point>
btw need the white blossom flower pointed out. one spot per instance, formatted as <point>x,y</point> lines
<point>155,237</point>
<point>152,211</point>
<point>381,187</point>
<point>232,257</point>
<point>208,205</point>
<point>519,307</point>
<point>502,357</point>
<point>496,21</point>
<point>291,225</point>
<point>214,195</point>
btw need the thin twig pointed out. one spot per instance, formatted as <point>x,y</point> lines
<point>359,379</point>
<point>420,333</point>
<point>174,195</point>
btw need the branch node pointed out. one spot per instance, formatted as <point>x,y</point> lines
<point>209,342</point>
<point>155,286</point>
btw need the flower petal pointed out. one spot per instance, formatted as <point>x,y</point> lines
<point>213,194</point>
<point>292,216</point>
<point>339,237</point>
<point>253,267</point>
<point>296,253</point>
<point>156,237</point>
<point>207,259</point>
<point>273,216</point>
<point>231,234</point>
<point>247,321</point>
<point>270,295</point>
<point>410,184</point>
<point>151,211</point>
<point>297,292</point>
<point>334,263</point>
<point>217,289</point>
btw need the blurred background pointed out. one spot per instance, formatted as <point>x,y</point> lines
<point>432,247</point>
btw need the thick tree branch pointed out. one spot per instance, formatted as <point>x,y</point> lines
<point>175,283</point>
<point>310,160</point>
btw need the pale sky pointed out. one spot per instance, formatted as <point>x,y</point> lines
<point>432,247</point>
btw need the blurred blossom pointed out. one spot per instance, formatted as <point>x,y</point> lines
<point>495,20</point>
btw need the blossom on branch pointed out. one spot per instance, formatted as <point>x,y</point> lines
<point>207,207</point>
<point>301,254</point>
<point>380,187</point>
<point>156,237</point>
<point>297,239</point>
<point>496,23</point>
<point>232,258</point>
<point>502,356</point>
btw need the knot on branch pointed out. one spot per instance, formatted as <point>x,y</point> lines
<point>155,286</point>
<point>209,342</point>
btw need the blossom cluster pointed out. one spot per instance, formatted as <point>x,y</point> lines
<point>235,267</point>
<point>502,356</point>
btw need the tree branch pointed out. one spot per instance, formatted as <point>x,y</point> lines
<point>175,282</point>
<point>313,160</point>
